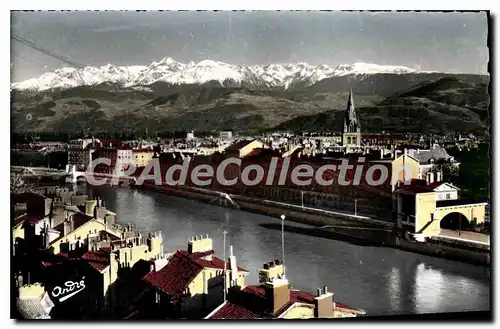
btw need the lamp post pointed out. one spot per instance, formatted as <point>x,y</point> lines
<point>225,261</point>
<point>283,242</point>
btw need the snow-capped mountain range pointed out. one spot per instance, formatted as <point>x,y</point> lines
<point>171,71</point>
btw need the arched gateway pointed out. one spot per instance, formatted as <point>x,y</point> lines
<point>419,209</point>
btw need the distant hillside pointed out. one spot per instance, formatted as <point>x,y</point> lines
<point>386,84</point>
<point>448,104</point>
<point>406,102</point>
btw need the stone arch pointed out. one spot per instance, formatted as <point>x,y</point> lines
<point>455,221</point>
<point>348,140</point>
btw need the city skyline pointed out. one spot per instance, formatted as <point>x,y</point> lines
<point>446,42</point>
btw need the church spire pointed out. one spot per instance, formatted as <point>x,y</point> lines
<point>350,106</point>
<point>350,122</point>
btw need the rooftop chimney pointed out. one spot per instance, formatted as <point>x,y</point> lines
<point>431,177</point>
<point>277,294</point>
<point>271,271</point>
<point>323,304</point>
<point>200,245</point>
<point>439,176</point>
<point>89,207</point>
<point>232,267</point>
<point>68,226</point>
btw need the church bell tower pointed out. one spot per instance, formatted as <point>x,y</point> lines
<point>351,131</point>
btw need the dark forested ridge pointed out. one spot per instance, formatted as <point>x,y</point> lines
<point>427,103</point>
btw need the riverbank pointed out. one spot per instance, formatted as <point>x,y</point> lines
<point>358,230</point>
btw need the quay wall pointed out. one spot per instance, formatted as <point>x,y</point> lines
<point>349,228</point>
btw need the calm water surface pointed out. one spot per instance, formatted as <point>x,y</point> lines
<point>379,280</point>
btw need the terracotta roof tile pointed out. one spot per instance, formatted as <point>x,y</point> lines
<point>142,150</point>
<point>175,277</point>
<point>249,304</point>
<point>97,259</point>
<point>235,311</point>
<point>181,269</point>
<point>214,263</point>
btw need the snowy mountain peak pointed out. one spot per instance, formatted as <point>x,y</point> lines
<point>167,61</point>
<point>368,68</point>
<point>170,71</point>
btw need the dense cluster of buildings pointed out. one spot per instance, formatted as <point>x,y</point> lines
<point>424,158</point>
<point>71,260</point>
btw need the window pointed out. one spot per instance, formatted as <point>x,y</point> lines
<point>157,297</point>
<point>448,196</point>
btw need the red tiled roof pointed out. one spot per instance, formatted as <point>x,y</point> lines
<point>175,277</point>
<point>235,311</point>
<point>142,150</point>
<point>305,297</point>
<point>182,268</point>
<point>214,263</point>
<point>249,304</point>
<point>97,259</point>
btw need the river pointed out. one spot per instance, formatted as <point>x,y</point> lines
<point>382,281</point>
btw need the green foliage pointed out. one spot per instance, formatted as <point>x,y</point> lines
<point>38,159</point>
<point>474,176</point>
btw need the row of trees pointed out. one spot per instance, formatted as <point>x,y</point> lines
<point>473,176</point>
<point>56,160</point>
<point>21,138</point>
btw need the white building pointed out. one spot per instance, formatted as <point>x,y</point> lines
<point>226,135</point>
<point>124,159</point>
<point>428,159</point>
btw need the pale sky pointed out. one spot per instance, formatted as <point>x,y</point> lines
<point>447,42</point>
